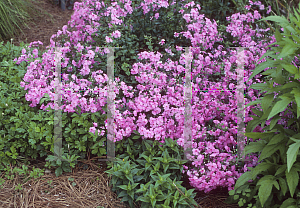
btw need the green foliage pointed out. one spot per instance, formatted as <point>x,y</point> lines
<point>220,9</point>
<point>276,179</point>
<point>151,174</point>
<point>27,132</point>
<point>10,174</point>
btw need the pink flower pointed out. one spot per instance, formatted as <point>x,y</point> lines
<point>91,54</point>
<point>116,34</point>
<point>261,7</point>
<point>196,151</point>
<point>247,7</point>
<point>269,9</point>
<point>162,41</point>
<point>108,39</point>
<point>256,15</point>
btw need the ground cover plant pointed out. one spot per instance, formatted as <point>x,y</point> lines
<point>149,174</point>
<point>123,67</point>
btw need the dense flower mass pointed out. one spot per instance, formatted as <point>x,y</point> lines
<point>213,111</point>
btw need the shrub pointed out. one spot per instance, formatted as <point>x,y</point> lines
<point>213,175</point>
<point>151,173</point>
<point>277,178</point>
<point>77,57</point>
<point>15,114</point>
<point>78,145</point>
<point>27,131</point>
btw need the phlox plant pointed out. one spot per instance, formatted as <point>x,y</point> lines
<point>213,130</point>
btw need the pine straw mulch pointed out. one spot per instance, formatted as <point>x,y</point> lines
<point>90,188</point>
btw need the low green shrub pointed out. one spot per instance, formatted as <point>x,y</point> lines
<point>27,132</point>
<point>150,172</point>
<point>276,179</point>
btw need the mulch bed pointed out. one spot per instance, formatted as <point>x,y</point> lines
<point>87,186</point>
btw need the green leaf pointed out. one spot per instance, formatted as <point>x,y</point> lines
<point>292,178</point>
<point>262,66</point>
<point>287,50</point>
<point>290,68</point>
<point>257,112</point>
<point>136,137</point>
<point>124,187</point>
<point>254,147</point>
<point>37,129</point>
<point>283,21</point>
<point>283,185</point>
<point>58,162</point>
<point>276,139</point>
<point>297,99</point>
<point>268,151</point>
<point>258,135</point>
<point>259,86</point>
<point>264,190</point>
<point>280,106</point>
<point>276,184</point>
<point>274,121</point>
<point>122,194</point>
<point>289,203</point>
<point>269,53</point>
<point>244,178</point>
<point>260,168</point>
<point>231,193</point>
<point>252,103</point>
<point>235,197</point>
<point>278,36</point>
<point>66,167</point>
<point>292,84</point>
<point>266,101</point>
<point>281,169</point>
<point>143,199</point>
<point>58,171</point>
<point>292,154</point>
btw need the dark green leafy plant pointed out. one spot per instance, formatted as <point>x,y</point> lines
<point>27,132</point>
<point>276,179</point>
<point>219,9</point>
<point>149,173</point>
